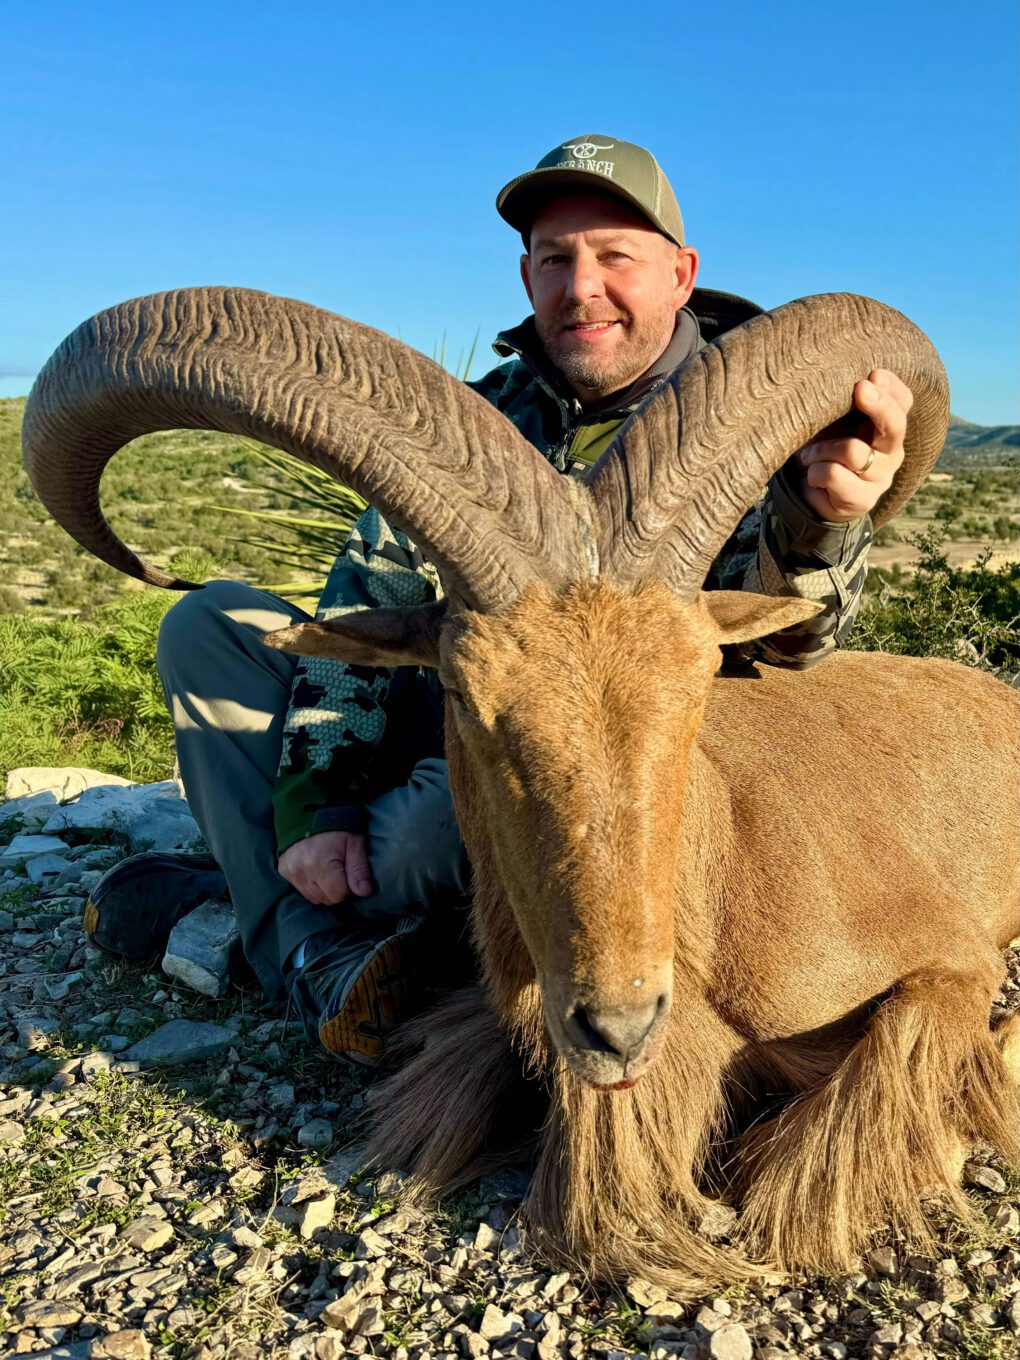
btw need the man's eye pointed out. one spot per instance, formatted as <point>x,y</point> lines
<point>554,259</point>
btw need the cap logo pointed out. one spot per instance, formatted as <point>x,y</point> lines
<point>585,151</point>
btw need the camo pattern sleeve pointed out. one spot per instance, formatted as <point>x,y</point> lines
<point>336,716</point>
<point>781,547</point>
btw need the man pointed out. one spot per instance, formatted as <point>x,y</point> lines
<point>321,788</point>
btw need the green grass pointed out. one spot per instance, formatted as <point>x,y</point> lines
<point>85,691</point>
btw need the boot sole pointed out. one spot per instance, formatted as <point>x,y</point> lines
<point>382,996</point>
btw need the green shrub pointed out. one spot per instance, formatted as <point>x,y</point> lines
<point>969,614</point>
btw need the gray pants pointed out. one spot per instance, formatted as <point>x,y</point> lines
<point>228,696</point>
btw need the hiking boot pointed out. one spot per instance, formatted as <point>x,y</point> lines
<point>135,905</point>
<point>355,987</point>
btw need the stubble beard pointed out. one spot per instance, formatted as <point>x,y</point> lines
<point>597,375</point>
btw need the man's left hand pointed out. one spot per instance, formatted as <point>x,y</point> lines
<point>843,479</point>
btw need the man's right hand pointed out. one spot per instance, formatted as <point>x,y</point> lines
<point>329,867</point>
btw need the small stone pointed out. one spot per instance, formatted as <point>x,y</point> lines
<point>345,1164</point>
<point>147,1234</point>
<point>255,1267</point>
<point>246,1179</point>
<point>556,1282</point>
<point>200,947</point>
<point>984,1176</point>
<point>129,1344</point>
<point>370,1245</point>
<point>884,1261</point>
<point>486,1239</point>
<point>329,1347</point>
<point>370,1323</point>
<point>181,1041</point>
<point>51,870</point>
<point>114,1043</point>
<point>494,1324</point>
<point>50,1313</point>
<point>10,1131</point>
<point>280,1097</point>
<point>94,1064</point>
<point>343,1314</point>
<point>317,1134</point>
<point>34,1032</point>
<point>108,1188</point>
<point>984,1315</point>
<point>1008,1220</point>
<point>315,1214</point>
<point>206,1214</point>
<point>472,1345</point>
<point>730,1342</point>
<point>889,1335</point>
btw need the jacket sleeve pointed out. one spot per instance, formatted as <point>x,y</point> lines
<point>336,715</point>
<point>781,547</point>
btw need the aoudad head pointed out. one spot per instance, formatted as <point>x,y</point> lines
<point>570,722</point>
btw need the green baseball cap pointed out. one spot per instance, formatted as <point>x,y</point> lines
<point>594,164</point>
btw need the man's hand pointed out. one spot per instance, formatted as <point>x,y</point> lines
<point>329,867</point>
<point>843,480</point>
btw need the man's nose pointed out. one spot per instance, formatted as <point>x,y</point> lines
<point>584,281</point>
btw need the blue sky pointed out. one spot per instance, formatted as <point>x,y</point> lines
<point>350,157</point>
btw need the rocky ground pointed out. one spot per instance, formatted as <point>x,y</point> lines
<point>180,1176</point>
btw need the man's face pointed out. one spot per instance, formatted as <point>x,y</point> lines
<point>606,287</point>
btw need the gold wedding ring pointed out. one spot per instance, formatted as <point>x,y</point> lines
<point>871,459</point>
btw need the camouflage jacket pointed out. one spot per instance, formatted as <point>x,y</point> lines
<point>353,731</point>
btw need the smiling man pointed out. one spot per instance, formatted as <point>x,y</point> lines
<point>327,808</point>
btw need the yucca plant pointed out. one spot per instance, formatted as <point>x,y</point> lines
<point>307,545</point>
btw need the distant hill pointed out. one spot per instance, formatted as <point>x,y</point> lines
<point>974,446</point>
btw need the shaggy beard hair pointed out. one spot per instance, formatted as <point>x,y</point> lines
<point>640,345</point>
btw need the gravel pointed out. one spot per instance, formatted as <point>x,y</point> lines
<point>181,1178</point>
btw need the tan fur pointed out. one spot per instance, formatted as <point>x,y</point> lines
<point>827,865</point>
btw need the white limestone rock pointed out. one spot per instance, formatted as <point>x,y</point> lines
<point>147,816</point>
<point>27,847</point>
<point>181,1041</point>
<point>199,949</point>
<point>63,783</point>
<point>29,811</point>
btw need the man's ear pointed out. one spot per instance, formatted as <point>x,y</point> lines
<point>526,277</point>
<point>686,271</point>
<point>740,615</point>
<point>368,637</point>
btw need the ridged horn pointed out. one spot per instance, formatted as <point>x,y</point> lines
<point>675,482</point>
<point>435,458</point>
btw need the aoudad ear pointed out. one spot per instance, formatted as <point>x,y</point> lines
<point>741,615</point>
<point>368,637</point>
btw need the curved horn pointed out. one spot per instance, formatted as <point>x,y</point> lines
<point>440,462</point>
<point>735,412</point>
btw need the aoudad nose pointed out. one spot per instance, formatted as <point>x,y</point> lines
<point>619,1030</point>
